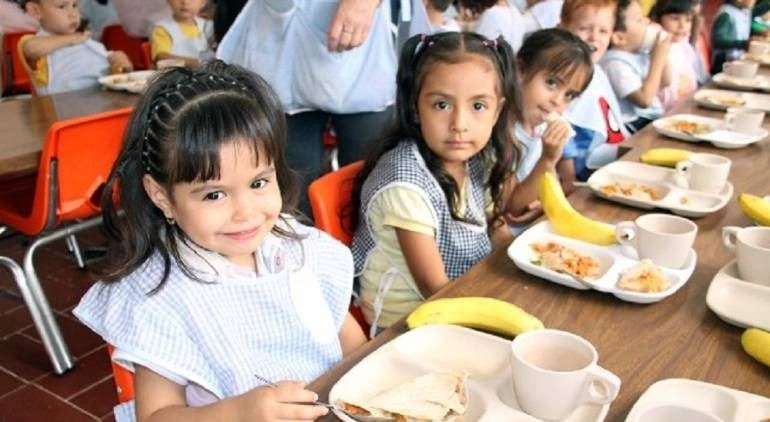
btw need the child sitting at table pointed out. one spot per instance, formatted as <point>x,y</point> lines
<point>499,18</point>
<point>429,200</point>
<point>184,35</point>
<point>636,75</point>
<point>730,32</point>
<point>213,281</point>
<point>675,16</point>
<point>595,114</point>
<point>61,57</point>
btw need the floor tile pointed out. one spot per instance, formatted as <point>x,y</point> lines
<point>46,405</point>
<point>15,321</point>
<point>24,357</point>
<point>8,383</point>
<point>88,371</point>
<point>79,338</point>
<point>99,399</point>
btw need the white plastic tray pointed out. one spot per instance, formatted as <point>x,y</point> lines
<point>613,260</point>
<point>712,99</point>
<point>682,201</point>
<point>718,136</point>
<point>131,81</point>
<point>725,403</point>
<point>739,302</point>
<point>758,82</point>
<point>762,59</point>
<point>438,348</point>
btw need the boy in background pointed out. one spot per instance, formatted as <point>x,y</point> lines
<point>595,114</point>
<point>184,35</point>
<point>62,57</point>
<point>730,32</point>
<point>636,76</point>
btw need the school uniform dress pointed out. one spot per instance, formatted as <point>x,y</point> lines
<point>388,291</point>
<point>168,36</point>
<point>626,72</point>
<point>682,60</point>
<point>506,21</point>
<point>70,68</point>
<point>213,336</point>
<point>546,13</point>
<point>730,35</point>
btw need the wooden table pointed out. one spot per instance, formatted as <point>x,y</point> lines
<point>678,337</point>
<point>24,122</point>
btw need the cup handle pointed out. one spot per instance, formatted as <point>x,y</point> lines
<point>682,174</point>
<point>728,235</point>
<point>609,382</point>
<point>625,232</point>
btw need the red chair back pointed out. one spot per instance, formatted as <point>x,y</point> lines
<point>115,38</point>
<point>329,195</point>
<point>147,55</point>
<point>15,77</point>
<point>124,379</point>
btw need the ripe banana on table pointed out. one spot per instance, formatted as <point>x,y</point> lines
<point>568,222</point>
<point>484,313</point>
<point>757,344</point>
<point>758,209</point>
<point>667,157</point>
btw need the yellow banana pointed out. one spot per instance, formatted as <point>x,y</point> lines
<point>757,344</point>
<point>568,222</point>
<point>758,209</point>
<point>667,157</point>
<point>484,313</point>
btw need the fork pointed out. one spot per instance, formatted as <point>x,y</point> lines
<point>332,407</point>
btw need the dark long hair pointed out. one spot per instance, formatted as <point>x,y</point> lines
<point>668,7</point>
<point>558,52</point>
<point>418,56</point>
<point>175,135</point>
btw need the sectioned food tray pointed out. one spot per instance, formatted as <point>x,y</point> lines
<point>613,261</point>
<point>694,128</point>
<point>443,348</point>
<point>739,302</point>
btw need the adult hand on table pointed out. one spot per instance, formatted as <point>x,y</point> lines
<point>351,24</point>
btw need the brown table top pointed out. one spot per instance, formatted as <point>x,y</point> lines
<point>24,122</point>
<point>678,337</point>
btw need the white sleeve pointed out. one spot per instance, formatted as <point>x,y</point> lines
<point>623,78</point>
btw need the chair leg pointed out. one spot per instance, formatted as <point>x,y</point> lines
<point>49,329</point>
<point>74,247</point>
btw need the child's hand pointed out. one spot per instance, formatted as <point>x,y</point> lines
<point>533,210</point>
<point>554,138</point>
<point>661,47</point>
<point>287,401</point>
<point>80,37</point>
<point>119,62</point>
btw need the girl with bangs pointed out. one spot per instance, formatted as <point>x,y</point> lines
<point>555,68</point>
<point>212,280</point>
<point>429,200</point>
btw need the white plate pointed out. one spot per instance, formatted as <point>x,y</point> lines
<point>758,82</point>
<point>725,403</point>
<point>678,200</point>
<point>437,348</point>
<point>710,98</point>
<point>762,59</point>
<point>613,260</point>
<point>131,81</point>
<point>717,136</point>
<point>739,302</point>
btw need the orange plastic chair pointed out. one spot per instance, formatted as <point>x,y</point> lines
<point>147,55</point>
<point>124,379</point>
<point>329,195</point>
<point>115,38</point>
<point>77,157</point>
<point>15,77</point>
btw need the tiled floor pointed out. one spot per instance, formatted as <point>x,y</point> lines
<point>29,390</point>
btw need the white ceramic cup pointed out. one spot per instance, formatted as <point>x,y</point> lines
<point>651,35</point>
<point>743,119</point>
<point>665,239</point>
<point>759,48</point>
<point>703,172</point>
<point>741,68</point>
<point>554,372</point>
<point>752,251</point>
<point>675,413</point>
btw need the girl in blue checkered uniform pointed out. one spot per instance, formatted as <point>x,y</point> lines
<point>432,197</point>
<point>213,281</point>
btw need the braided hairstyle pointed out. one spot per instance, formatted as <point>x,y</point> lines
<point>419,55</point>
<point>175,135</point>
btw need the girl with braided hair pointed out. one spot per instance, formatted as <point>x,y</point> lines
<point>212,280</point>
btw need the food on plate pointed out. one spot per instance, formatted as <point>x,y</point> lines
<point>758,209</point>
<point>667,157</point>
<point>433,397</point>
<point>561,259</point>
<point>724,100</point>
<point>645,277</point>
<point>128,81</point>
<point>484,313</point>
<point>566,221</point>
<point>683,200</point>
<point>688,127</point>
<point>757,344</point>
<point>632,190</point>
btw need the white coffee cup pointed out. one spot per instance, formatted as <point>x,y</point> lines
<point>703,172</point>
<point>554,372</point>
<point>759,48</point>
<point>744,119</point>
<point>741,68</point>
<point>752,251</point>
<point>652,33</point>
<point>663,238</point>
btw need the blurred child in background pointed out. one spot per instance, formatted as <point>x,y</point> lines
<point>730,32</point>
<point>183,36</point>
